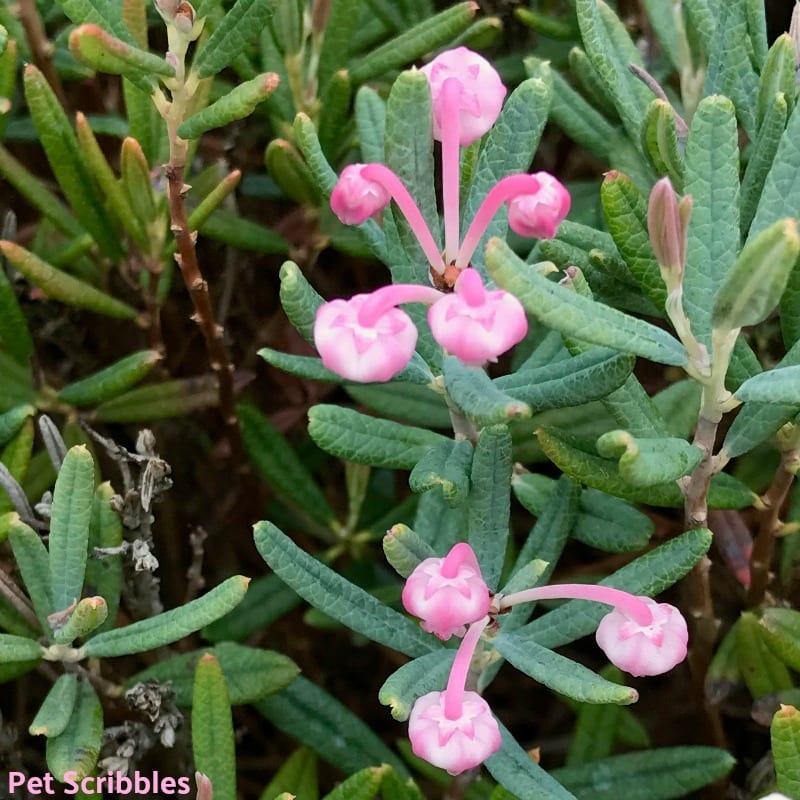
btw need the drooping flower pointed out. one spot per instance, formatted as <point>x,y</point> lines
<point>366,338</point>
<point>447,594</point>
<point>455,729</point>
<point>538,214</point>
<point>355,198</point>
<point>475,324</point>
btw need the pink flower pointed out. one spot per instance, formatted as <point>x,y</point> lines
<point>474,324</point>
<point>453,744</point>
<point>356,198</point>
<point>447,593</point>
<point>644,649</point>
<point>366,339</point>
<point>538,215</point>
<point>480,97</point>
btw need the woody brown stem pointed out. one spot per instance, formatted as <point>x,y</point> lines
<point>764,545</point>
<point>201,300</point>
<point>41,49</point>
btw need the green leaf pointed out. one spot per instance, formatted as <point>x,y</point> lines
<point>174,398</point>
<point>230,228</point>
<point>299,299</point>
<point>569,382</point>
<point>280,465</point>
<point>237,29</point>
<point>267,599</point>
<point>340,27</point>
<point>138,186</point>
<point>404,550</point>
<point>361,786</point>
<point>489,501</point>
<point>104,573</point>
<point>754,286</point>
<point>54,714</point>
<point>11,421</point>
<point>366,440</point>
<point>730,70</point>
<point>61,148</point>
<point>508,148</point>
<point>564,310</point>
<point>780,386</point>
<point>335,122</point>
<point>660,140</point>
<point>18,648</point>
<point>409,132</point>
<point>428,35</point>
<point>298,774</point>
<point>408,402</point>
<point>14,334</point>
<point>777,77</point>
<point>649,574</point>
<point>213,745</point>
<point>69,526</point>
<point>474,392</point>
<point>785,736</point>
<point>77,747</point>
<point>763,672</point>
<point>336,596</point>
<point>370,113</point>
<point>407,684</point>
<point>448,466</point>
<point>662,774</point>
<point>712,179</point>
<point>587,79</point>
<point>89,614</point>
<point>106,14</point>
<point>33,563</point>
<point>170,626</point>
<point>311,716</point>
<point>780,629</point>
<point>103,52</point>
<point>517,772</point>
<point>111,381</point>
<point>611,50</point>
<point>649,462</point>
<point>577,459</point>
<point>663,19</point>
<point>287,168</point>
<point>64,287</point>
<point>561,674</point>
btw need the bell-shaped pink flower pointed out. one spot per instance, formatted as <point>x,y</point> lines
<point>643,649</point>
<point>366,339</point>
<point>355,198</point>
<point>538,215</point>
<point>480,98</point>
<point>447,594</point>
<point>474,324</point>
<point>456,744</point>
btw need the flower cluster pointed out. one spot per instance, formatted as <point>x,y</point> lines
<point>455,729</point>
<point>473,323</point>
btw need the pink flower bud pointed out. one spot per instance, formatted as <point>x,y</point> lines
<point>481,97</point>
<point>474,324</point>
<point>355,198</point>
<point>453,744</point>
<point>668,225</point>
<point>644,649</point>
<point>447,594</point>
<point>538,215</point>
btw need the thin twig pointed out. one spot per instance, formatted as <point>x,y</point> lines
<point>15,598</point>
<point>41,49</point>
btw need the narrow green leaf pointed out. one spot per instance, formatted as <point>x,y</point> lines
<point>405,685</point>
<point>370,112</point>
<point>337,597</point>
<point>758,278</point>
<point>712,179</point>
<point>104,573</point>
<point>763,672</point>
<point>18,648</point>
<point>13,419</point>
<point>89,614</point>
<point>361,786</point>
<point>564,310</point>
<point>662,18</point>
<point>509,148</point>
<point>145,123</point>
<point>777,77</point>
<point>213,745</point>
<point>106,14</point>
<point>335,122</point>
<point>430,34</point>
<point>299,299</point>
<point>14,334</point>
<point>648,462</point>
<point>288,169</point>
<point>111,381</point>
<point>780,386</point>
<point>340,27</point>
<point>408,402</point>
<point>367,440</point>
<point>780,629</point>
<point>237,29</point>
<point>478,397</point>
<point>160,400</point>
<point>211,202</point>
<point>785,736</point>
<point>489,501</point>
<point>169,626</point>
<point>589,82</point>
<point>660,140</point>
<point>54,714</point>
<point>404,550</point>
<point>62,286</point>
<point>138,186</point>
<point>61,148</point>
<point>446,465</point>
<point>298,774</point>
<point>661,774</point>
<point>570,381</point>
<point>77,747</point>
<point>311,716</point>
<point>32,560</point>
<point>561,674</point>
<point>230,228</point>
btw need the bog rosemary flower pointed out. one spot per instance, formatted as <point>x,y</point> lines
<point>476,324</point>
